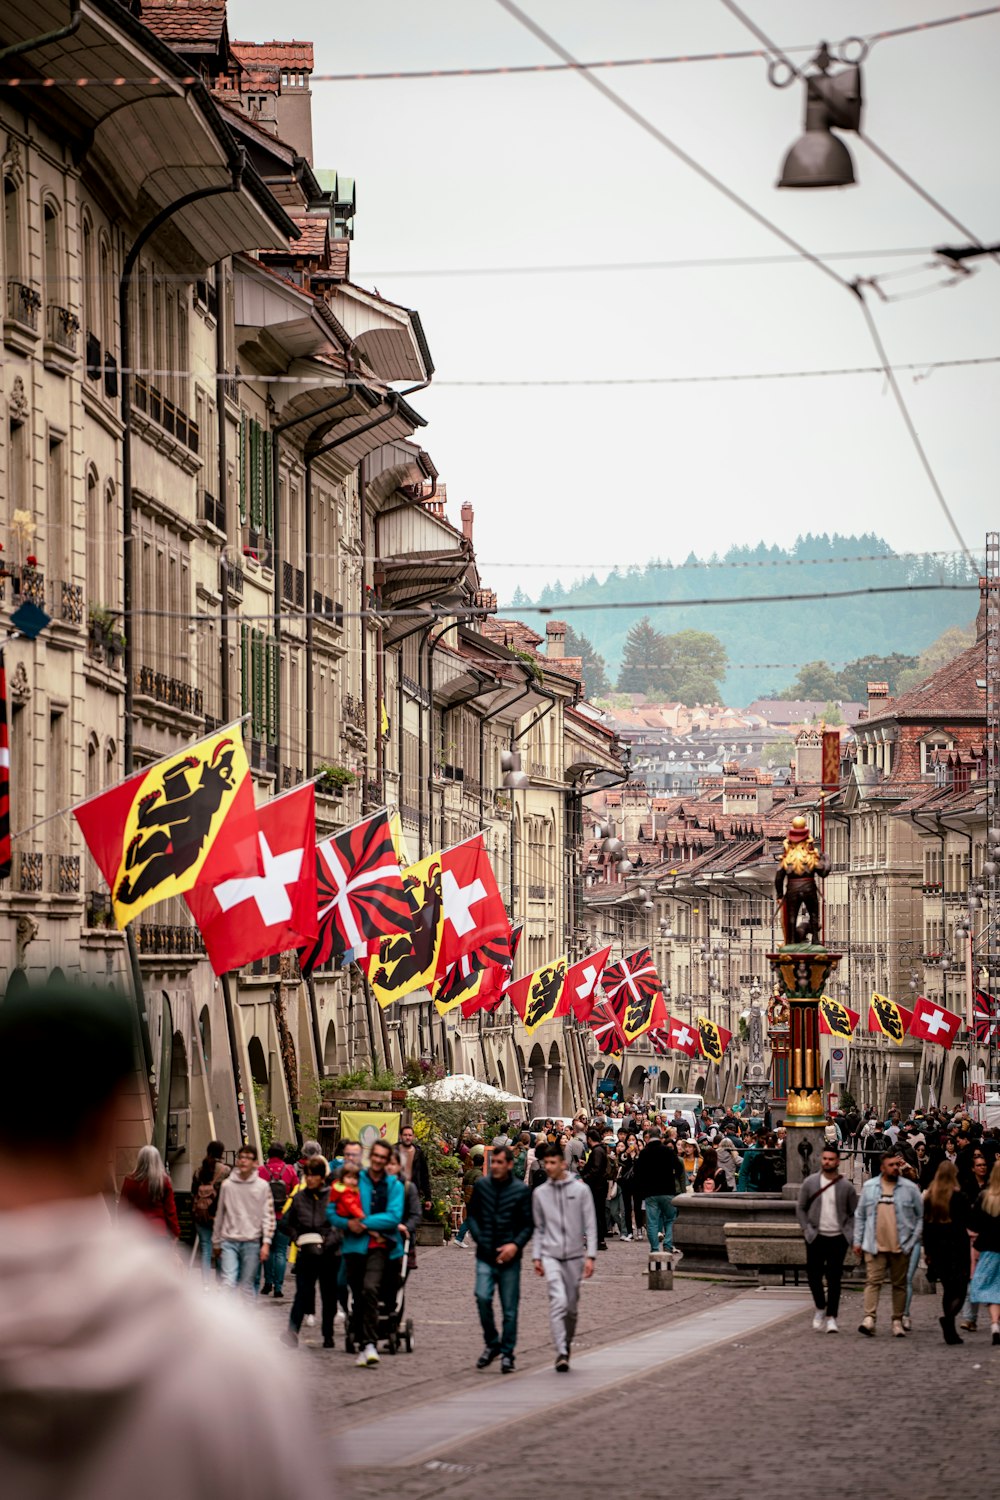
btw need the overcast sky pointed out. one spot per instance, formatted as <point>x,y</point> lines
<point>527,171</point>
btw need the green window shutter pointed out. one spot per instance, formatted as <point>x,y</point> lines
<point>245,692</point>
<point>268,488</point>
<point>257,691</point>
<point>272,688</point>
<point>243,468</point>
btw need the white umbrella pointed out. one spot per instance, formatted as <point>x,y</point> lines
<point>458,1085</point>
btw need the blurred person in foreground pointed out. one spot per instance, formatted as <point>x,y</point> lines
<point>116,1375</point>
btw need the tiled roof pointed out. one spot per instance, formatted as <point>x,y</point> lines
<point>339,268</point>
<point>521,636</point>
<point>951,692</point>
<point>313,233</point>
<point>198,23</point>
<point>275,54</point>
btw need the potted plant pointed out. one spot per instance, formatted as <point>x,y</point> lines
<point>331,780</point>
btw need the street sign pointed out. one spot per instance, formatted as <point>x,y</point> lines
<point>838,1065</point>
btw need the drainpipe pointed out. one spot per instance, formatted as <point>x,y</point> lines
<point>18,49</point>
<point>222,484</point>
<point>124,340</point>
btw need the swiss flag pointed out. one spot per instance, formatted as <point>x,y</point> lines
<point>253,915</point>
<point>682,1036</point>
<point>472,909</point>
<point>580,993</point>
<point>933,1023</point>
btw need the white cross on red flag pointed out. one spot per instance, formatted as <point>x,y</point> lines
<point>682,1036</point>
<point>633,988</point>
<point>933,1023</point>
<point>255,915</point>
<point>580,992</point>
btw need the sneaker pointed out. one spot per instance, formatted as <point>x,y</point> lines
<point>867,1326</point>
<point>487,1357</point>
<point>627,1237</point>
<point>371,1355</point>
<point>310,1320</point>
<point>458,1244</point>
<point>898,1331</point>
<point>562,1363</point>
<point>969,1324</point>
<point>819,1320</point>
<point>361,1360</point>
<point>265,1291</point>
<point>507,1365</point>
<point>278,1296</point>
<point>831,1325</point>
<point>602,1246</point>
<point>329,1344</point>
<point>907,1323</point>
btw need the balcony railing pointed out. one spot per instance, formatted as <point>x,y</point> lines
<point>23,304</point>
<point>293,585</point>
<point>61,327</point>
<point>234,580</point>
<point>290,776</point>
<point>264,758</point>
<point>28,585</point>
<point>372,793</point>
<point>207,295</point>
<point>66,601</point>
<point>328,609</point>
<point>167,937</point>
<point>161,410</point>
<point>169,691</point>
<point>29,871</point>
<point>260,546</point>
<point>98,909</point>
<point>110,376</point>
<point>213,511</point>
<point>64,874</point>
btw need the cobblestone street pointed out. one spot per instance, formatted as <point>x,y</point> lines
<point>756,1413</point>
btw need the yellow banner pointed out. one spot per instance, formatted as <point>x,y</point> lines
<point>368,1127</point>
<point>407,961</point>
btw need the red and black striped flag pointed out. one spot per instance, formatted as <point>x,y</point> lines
<point>5,854</point>
<point>633,989</point>
<point>359,891</point>
<point>985,1011</point>
<point>607,1029</point>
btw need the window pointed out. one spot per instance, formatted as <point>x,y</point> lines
<point>106,304</point>
<point>256,498</point>
<point>12,247</point>
<point>930,749</point>
<point>258,678</point>
<point>54,281</point>
<point>164,581</point>
<point>17,468</point>
<point>58,543</point>
<point>56,782</point>
<point>89,292</point>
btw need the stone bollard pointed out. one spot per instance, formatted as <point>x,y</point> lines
<point>661,1271</point>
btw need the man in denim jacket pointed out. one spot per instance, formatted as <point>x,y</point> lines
<point>888,1223</point>
<point>370,1243</point>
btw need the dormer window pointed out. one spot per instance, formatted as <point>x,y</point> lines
<point>932,748</point>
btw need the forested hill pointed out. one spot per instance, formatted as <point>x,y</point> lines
<point>754,634</point>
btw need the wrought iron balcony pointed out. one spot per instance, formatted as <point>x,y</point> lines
<point>353,711</point>
<point>98,911</point>
<point>28,585</point>
<point>373,793</point>
<point>61,327</point>
<point>213,511</point>
<point>66,601</point>
<point>29,870</point>
<point>291,776</point>
<point>170,691</point>
<point>23,305</point>
<point>64,874</point>
<point>95,364</point>
<point>110,375</point>
<point>154,938</point>
<point>293,585</point>
<point>161,410</point>
<point>234,580</point>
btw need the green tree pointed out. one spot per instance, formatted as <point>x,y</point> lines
<point>951,643</point>
<point>520,598</point>
<point>856,675</point>
<point>816,679</point>
<point>696,664</point>
<point>595,668</point>
<point>644,662</point>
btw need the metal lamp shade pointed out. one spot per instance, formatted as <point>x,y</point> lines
<point>612,846</point>
<point>817,160</point>
<point>516,781</point>
<point>625,867</point>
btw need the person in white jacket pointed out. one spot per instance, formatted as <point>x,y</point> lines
<point>564,1245</point>
<point>117,1377</point>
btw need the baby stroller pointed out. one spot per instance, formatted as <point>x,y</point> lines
<point>393,1325</point>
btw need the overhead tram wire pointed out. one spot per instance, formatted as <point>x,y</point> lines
<point>646,125</point>
<point>776,52</point>
<point>692,263</point>
<point>501,70</point>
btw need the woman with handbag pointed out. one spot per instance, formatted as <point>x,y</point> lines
<point>631,1199</point>
<point>317,1247</point>
<point>947,1215</point>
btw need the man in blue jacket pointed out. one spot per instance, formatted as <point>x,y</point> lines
<point>370,1243</point>
<point>887,1225</point>
<point>499,1219</point>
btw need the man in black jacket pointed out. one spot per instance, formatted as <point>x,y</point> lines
<point>499,1219</point>
<point>659,1177</point>
<point>595,1174</point>
<point>413,1165</point>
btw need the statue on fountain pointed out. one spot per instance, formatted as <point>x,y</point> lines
<point>795,882</point>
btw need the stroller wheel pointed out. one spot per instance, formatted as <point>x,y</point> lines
<point>408,1335</point>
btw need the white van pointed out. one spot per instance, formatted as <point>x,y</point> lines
<point>688,1104</point>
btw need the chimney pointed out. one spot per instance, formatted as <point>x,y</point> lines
<point>555,639</point>
<point>809,755</point>
<point>468,517</point>
<point>878,697</point>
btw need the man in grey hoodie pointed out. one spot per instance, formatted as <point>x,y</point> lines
<point>564,1246</point>
<point>244,1223</point>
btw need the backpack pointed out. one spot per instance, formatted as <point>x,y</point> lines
<point>204,1203</point>
<point>279,1190</point>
